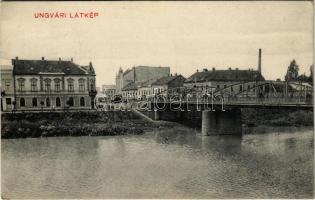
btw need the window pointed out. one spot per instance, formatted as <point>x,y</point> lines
<point>33,84</point>
<point>7,84</point>
<point>70,101</point>
<point>34,102</point>
<point>231,89</point>
<point>22,102</point>
<point>82,101</point>
<point>8,101</point>
<point>70,85</point>
<point>92,84</point>
<point>21,84</point>
<point>248,87</point>
<point>81,85</point>
<point>47,102</point>
<point>58,102</point>
<point>47,85</point>
<point>57,85</point>
<point>241,88</point>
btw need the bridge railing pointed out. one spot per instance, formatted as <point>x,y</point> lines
<point>250,100</point>
<point>269,100</point>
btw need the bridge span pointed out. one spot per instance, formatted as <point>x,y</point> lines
<point>220,109</point>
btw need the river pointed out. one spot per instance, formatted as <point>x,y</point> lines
<point>174,163</point>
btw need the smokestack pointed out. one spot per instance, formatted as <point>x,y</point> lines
<point>259,61</point>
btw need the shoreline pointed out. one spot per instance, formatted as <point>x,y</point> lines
<point>266,129</point>
<point>111,123</point>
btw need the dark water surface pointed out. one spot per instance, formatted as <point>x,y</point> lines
<point>163,164</point>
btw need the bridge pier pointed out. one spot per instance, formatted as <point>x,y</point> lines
<point>221,122</point>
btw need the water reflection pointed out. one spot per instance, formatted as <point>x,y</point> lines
<point>161,164</point>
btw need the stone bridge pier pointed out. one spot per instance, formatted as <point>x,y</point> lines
<point>211,122</point>
<point>220,122</point>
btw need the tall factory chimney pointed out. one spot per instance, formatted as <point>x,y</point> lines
<point>259,61</point>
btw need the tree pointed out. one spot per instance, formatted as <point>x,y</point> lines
<point>302,78</point>
<point>292,72</point>
<point>311,74</point>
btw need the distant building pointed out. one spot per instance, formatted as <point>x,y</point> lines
<point>235,80</point>
<point>109,90</point>
<point>53,84</point>
<point>7,87</point>
<point>220,79</point>
<point>168,82</point>
<point>151,87</point>
<point>138,90</point>
<point>139,74</point>
<point>98,89</point>
<point>130,91</point>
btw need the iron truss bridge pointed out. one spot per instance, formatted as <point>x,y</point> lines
<point>245,94</point>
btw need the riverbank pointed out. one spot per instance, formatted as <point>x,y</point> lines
<point>111,123</point>
<point>277,117</point>
<point>89,123</point>
<point>258,121</point>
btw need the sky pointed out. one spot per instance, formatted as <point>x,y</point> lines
<point>185,36</point>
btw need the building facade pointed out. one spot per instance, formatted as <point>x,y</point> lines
<point>152,87</point>
<point>109,90</point>
<point>166,83</point>
<point>235,81</point>
<point>139,74</point>
<point>7,88</point>
<point>50,84</point>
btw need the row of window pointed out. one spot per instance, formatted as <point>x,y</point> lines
<point>232,87</point>
<point>47,102</point>
<point>158,90</point>
<point>57,84</point>
<point>143,92</point>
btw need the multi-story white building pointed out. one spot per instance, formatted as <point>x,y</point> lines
<point>53,84</point>
<point>7,88</point>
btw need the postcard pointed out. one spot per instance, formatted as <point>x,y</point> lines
<point>163,100</point>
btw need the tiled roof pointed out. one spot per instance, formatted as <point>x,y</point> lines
<point>32,67</point>
<point>131,86</point>
<point>225,75</point>
<point>135,86</point>
<point>167,79</point>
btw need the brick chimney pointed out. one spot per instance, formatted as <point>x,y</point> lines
<point>16,58</point>
<point>43,58</point>
<point>59,59</point>
<point>259,61</point>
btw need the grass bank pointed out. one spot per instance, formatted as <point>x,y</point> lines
<point>277,117</point>
<point>22,125</point>
<point>270,120</point>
